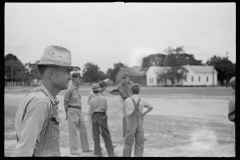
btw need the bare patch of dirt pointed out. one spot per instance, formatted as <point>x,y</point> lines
<point>186,127</point>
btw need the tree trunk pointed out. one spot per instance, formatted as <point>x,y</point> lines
<point>172,82</point>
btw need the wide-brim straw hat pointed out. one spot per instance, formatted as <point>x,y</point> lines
<point>56,56</point>
<point>96,87</point>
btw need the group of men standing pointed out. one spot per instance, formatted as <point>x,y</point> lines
<point>37,120</point>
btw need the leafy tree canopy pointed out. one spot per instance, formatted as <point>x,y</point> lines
<point>225,68</point>
<point>14,69</point>
<point>153,59</point>
<point>111,73</point>
<point>92,73</point>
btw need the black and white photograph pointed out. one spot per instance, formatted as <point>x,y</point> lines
<point>119,79</point>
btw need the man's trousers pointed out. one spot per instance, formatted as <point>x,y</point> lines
<point>76,122</point>
<point>99,121</point>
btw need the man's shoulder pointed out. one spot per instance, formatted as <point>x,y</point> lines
<point>119,84</point>
<point>130,82</point>
<point>34,98</point>
<point>40,97</point>
<point>128,99</point>
<point>98,98</point>
<point>91,93</point>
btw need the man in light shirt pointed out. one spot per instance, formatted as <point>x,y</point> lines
<point>36,120</point>
<point>133,112</point>
<point>73,108</point>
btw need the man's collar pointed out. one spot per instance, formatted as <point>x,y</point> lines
<point>54,101</point>
<point>135,95</point>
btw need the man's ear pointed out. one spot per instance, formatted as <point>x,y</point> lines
<point>50,73</point>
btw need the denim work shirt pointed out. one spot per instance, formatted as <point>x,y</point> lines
<point>231,108</point>
<point>34,128</point>
<point>73,96</point>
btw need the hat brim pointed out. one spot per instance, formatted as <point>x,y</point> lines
<point>99,89</point>
<point>73,68</point>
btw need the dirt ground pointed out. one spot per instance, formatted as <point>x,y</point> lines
<point>179,126</point>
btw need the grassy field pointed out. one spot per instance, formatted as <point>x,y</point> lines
<point>185,122</point>
<point>149,91</point>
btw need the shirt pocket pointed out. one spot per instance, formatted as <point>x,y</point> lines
<point>53,130</point>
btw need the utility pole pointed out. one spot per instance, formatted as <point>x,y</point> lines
<point>12,70</point>
<point>226,71</point>
<point>213,75</point>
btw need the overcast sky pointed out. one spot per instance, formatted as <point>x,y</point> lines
<point>108,33</point>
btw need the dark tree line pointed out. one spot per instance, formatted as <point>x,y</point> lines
<point>226,69</point>
<point>173,59</point>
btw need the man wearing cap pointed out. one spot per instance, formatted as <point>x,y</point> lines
<point>37,120</point>
<point>98,116</point>
<point>124,90</point>
<point>231,105</point>
<point>91,95</point>
<point>73,108</point>
<point>103,86</point>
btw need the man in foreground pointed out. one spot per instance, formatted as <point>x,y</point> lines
<point>37,120</point>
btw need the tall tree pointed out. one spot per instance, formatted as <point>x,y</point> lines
<point>182,57</point>
<point>111,73</point>
<point>92,73</point>
<point>174,62</point>
<point>14,69</point>
<point>225,68</point>
<point>10,57</point>
<point>153,59</point>
<point>173,69</point>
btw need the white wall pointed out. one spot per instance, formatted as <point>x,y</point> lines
<point>151,77</point>
<point>203,79</point>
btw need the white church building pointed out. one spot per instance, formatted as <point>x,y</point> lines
<point>196,76</point>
